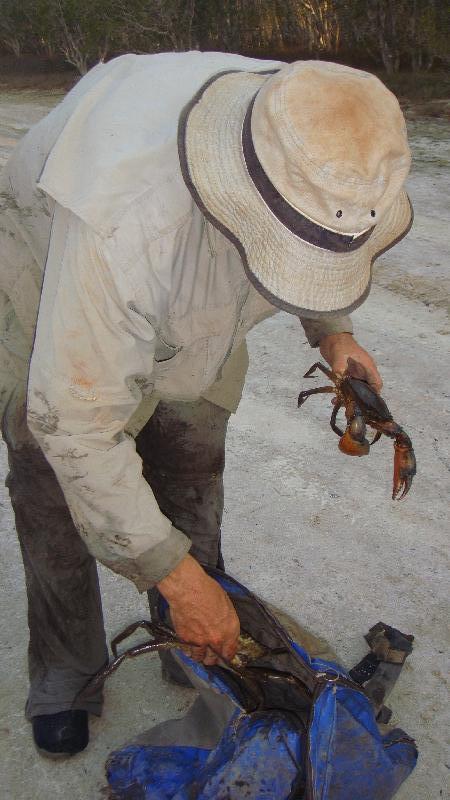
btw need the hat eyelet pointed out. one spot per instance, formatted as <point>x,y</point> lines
<point>339,213</point>
<point>372,213</point>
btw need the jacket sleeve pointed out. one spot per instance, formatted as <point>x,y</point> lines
<point>92,355</point>
<point>316,329</point>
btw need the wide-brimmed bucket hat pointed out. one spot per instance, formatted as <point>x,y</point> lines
<point>302,168</point>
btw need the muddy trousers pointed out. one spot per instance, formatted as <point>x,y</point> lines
<point>182,449</point>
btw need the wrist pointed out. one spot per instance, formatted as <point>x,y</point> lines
<point>330,338</point>
<point>329,343</point>
<point>186,575</point>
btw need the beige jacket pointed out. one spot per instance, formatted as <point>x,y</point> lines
<point>141,298</point>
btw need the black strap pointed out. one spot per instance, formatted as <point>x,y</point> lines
<point>379,670</point>
<point>364,669</point>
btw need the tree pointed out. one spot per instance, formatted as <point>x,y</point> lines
<point>156,24</point>
<point>392,33</point>
<point>15,28</point>
<point>84,30</point>
<point>428,29</point>
<point>317,24</point>
<point>396,33</point>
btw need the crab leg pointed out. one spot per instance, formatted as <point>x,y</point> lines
<point>156,629</point>
<point>321,390</point>
<point>404,465</point>
<point>323,368</point>
<point>334,427</point>
<point>97,681</point>
<point>404,458</point>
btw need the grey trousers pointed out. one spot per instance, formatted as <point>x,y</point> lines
<point>183,453</point>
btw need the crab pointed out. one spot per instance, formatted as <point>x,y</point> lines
<point>363,406</point>
<point>164,638</point>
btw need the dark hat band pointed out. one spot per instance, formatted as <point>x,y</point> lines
<point>292,219</point>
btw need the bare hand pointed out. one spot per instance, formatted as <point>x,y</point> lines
<point>201,612</point>
<point>343,352</point>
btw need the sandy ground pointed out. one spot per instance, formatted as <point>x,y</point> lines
<point>314,532</point>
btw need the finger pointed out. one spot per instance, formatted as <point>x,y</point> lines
<point>367,373</point>
<point>197,653</point>
<point>210,658</point>
<point>230,650</point>
<point>374,380</point>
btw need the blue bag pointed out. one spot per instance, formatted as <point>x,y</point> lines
<point>281,726</point>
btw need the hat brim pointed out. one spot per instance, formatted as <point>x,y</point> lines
<point>291,273</point>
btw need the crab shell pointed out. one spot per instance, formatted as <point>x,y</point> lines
<point>371,404</point>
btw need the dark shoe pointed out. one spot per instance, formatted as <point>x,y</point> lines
<point>61,734</point>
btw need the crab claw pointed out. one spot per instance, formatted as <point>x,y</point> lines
<point>404,470</point>
<point>353,447</point>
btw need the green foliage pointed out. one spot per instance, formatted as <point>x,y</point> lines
<point>16,27</point>
<point>398,33</point>
<point>390,34</point>
<point>419,87</point>
<point>83,30</point>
